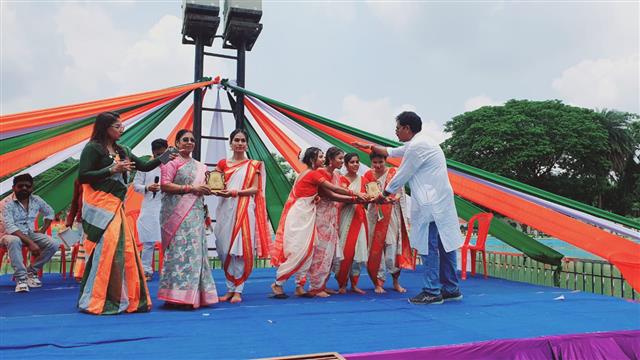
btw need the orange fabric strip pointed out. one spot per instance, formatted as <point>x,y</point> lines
<point>279,139</point>
<point>619,251</point>
<point>48,116</point>
<point>34,153</point>
<point>186,122</point>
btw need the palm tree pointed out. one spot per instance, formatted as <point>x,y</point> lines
<point>622,144</point>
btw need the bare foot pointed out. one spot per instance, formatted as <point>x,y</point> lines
<point>330,291</point>
<point>237,298</point>
<point>322,294</point>
<point>226,297</point>
<point>342,290</point>
<point>277,289</point>
<point>300,291</point>
<point>357,290</point>
<point>380,290</point>
<point>398,287</point>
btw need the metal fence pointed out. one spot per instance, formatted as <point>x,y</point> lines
<point>596,276</point>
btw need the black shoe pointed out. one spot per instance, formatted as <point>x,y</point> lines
<point>426,299</point>
<point>455,296</point>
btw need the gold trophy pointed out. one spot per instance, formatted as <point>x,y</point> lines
<point>373,189</point>
<point>215,180</point>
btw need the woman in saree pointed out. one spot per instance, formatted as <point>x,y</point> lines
<point>186,280</point>
<point>354,232</point>
<point>295,237</point>
<point>389,248</point>
<point>113,281</point>
<point>326,243</point>
<point>241,216</point>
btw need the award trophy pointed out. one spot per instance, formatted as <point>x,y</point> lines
<point>373,189</point>
<point>215,180</point>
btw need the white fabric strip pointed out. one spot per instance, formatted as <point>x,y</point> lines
<point>72,151</point>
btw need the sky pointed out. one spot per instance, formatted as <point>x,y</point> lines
<point>357,62</point>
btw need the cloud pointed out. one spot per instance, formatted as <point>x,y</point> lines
<point>377,116</point>
<point>399,16</point>
<point>477,102</point>
<point>340,11</point>
<point>92,62</point>
<point>602,83</point>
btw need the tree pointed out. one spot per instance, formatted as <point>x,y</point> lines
<point>285,167</point>
<point>624,196</point>
<point>560,148</point>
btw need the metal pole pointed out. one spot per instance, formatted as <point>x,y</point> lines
<point>240,79</point>
<point>197,98</point>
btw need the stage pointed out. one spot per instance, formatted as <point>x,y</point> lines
<point>44,323</point>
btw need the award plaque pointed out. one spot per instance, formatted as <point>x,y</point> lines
<point>215,180</point>
<point>373,189</point>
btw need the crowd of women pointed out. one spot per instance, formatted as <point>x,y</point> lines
<point>329,225</point>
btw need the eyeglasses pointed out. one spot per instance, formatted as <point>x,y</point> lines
<point>118,126</point>
<point>188,139</point>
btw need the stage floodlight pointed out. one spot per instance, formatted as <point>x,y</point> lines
<point>200,20</point>
<point>241,23</point>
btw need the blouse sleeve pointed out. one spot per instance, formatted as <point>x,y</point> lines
<point>89,157</point>
<point>317,177</point>
<point>222,165</point>
<point>168,172</point>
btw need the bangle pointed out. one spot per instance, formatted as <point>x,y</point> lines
<point>350,192</point>
<point>234,193</point>
<point>353,198</point>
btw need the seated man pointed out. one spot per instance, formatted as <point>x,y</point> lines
<point>18,215</point>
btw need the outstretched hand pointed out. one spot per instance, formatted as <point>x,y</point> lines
<point>361,145</point>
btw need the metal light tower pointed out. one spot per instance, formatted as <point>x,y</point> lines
<point>241,29</point>
<point>199,27</point>
<point>200,24</point>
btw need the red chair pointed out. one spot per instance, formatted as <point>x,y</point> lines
<point>484,221</point>
<point>3,252</point>
<point>158,247</point>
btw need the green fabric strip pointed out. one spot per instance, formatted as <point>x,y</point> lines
<point>451,163</point>
<point>20,141</point>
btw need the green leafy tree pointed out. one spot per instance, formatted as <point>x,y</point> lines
<point>547,144</point>
<point>285,167</point>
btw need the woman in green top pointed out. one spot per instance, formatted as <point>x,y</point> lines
<point>113,280</point>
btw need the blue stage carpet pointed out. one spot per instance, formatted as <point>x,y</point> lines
<point>44,323</point>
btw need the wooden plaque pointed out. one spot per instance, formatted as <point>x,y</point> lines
<point>373,189</point>
<point>215,180</point>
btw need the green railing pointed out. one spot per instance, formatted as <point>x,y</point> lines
<point>596,276</point>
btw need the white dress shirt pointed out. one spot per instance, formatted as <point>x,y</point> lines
<point>424,167</point>
<point>149,219</point>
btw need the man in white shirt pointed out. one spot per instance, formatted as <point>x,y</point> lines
<point>148,184</point>
<point>435,231</point>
